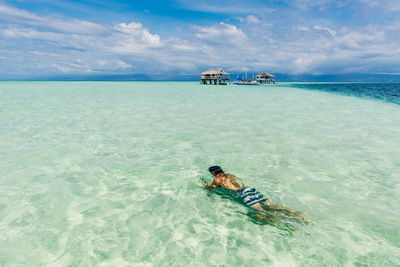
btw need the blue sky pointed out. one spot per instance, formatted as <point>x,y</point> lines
<point>47,37</point>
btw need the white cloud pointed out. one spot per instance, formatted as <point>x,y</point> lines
<point>41,53</point>
<point>320,28</point>
<point>123,38</point>
<point>136,31</point>
<point>231,7</point>
<point>308,4</point>
<point>57,40</point>
<point>252,19</point>
<point>123,65</point>
<point>97,51</point>
<point>364,39</point>
<point>78,65</point>
<point>221,32</point>
<point>370,3</point>
<point>30,33</point>
<point>303,28</point>
<point>392,5</point>
<point>14,15</point>
<point>183,45</point>
<point>110,65</point>
<point>133,38</point>
<point>62,68</point>
<point>303,62</point>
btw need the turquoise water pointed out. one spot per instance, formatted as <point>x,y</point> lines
<point>107,173</point>
<point>388,92</point>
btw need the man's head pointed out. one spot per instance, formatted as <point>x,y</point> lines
<point>215,170</point>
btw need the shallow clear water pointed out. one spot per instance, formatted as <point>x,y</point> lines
<point>107,173</point>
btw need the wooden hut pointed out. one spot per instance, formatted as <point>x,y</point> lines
<point>265,78</point>
<point>215,76</point>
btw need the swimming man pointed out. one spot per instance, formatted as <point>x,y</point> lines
<point>251,197</point>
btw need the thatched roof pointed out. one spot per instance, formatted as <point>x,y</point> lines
<point>214,72</point>
<point>265,74</point>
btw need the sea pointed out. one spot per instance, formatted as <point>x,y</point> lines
<point>107,173</point>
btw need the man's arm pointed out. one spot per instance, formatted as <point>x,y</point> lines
<point>210,186</point>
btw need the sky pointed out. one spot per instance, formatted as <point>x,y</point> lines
<point>185,37</point>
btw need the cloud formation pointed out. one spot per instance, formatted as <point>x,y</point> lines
<point>133,38</point>
<point>15,15</point>
<point>221,32</point>
<point>303,36</point>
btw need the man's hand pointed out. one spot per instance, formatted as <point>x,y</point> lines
<point>203,180</point>
<point>208,186</point>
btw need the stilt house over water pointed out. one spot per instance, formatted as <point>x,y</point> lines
<point>215,76</point>
<point>265,78</point>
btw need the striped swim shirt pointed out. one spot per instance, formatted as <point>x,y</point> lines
<point>250,196</point>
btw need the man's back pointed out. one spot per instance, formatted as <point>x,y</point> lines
<point>229,181</point>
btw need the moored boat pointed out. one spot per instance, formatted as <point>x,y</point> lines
<point>246,82</point>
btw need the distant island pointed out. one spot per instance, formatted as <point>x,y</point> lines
<point>283,77</point>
